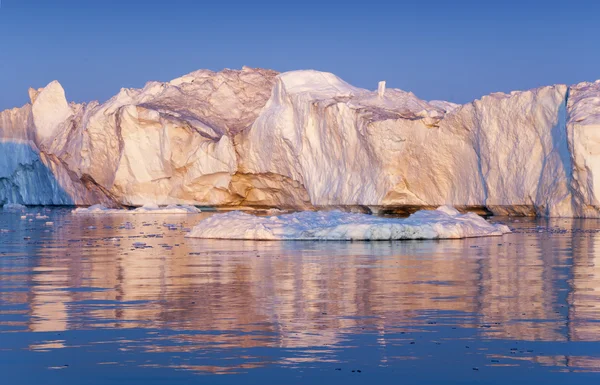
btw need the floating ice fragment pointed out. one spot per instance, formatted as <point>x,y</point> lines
<point>445,222</point>
<point>13,207</point>
<point>146,209</point>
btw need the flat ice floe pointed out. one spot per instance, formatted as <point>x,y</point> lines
<point>445,222</point>
<point>146,209</point>
<point>13,207</point>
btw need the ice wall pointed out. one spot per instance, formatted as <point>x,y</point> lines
<point>253,137</point>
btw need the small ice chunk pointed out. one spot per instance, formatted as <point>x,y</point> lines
<point>13,207</point>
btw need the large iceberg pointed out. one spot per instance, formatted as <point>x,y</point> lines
<point>305,139</point>
<point>443,223</point>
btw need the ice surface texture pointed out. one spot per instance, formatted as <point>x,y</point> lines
<point>305,139</point>
<point>445,222</point>
<point>146,209</point>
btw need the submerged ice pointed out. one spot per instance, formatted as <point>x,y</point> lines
<point>304,139</point>
<point>445,222</point>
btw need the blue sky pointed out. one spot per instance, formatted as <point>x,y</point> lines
<point>455,50</point>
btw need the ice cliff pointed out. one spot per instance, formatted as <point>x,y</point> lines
<point>302,139</point>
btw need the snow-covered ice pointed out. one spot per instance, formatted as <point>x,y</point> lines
<point>146,209</point>
<point>445,222</point>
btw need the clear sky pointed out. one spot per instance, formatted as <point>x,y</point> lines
<point>454,50</point>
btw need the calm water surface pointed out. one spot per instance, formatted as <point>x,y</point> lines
<point>127,300</point>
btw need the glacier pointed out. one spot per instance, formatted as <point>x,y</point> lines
<point>304,140</point>
<point>443,223</point>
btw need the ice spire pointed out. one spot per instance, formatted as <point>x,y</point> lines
<point>381,89</point>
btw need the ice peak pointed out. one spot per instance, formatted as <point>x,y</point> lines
<point>321,85</point>
<point>50,109</point>
<point>33,93</point>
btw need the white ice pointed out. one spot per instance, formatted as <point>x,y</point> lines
<point>445,222</point>
<point>146,209</point>
<point>305,139</point>
<point>13,207</point>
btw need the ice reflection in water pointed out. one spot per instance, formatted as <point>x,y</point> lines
<point>131,292</point>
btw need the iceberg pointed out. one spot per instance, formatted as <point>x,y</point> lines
<point>146,209</point>
<point>305,140</point>
<point>583,130</point>
<point>349,146</point>
<point>443,223</point>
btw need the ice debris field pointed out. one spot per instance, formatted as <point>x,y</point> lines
<point>445,222</point>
